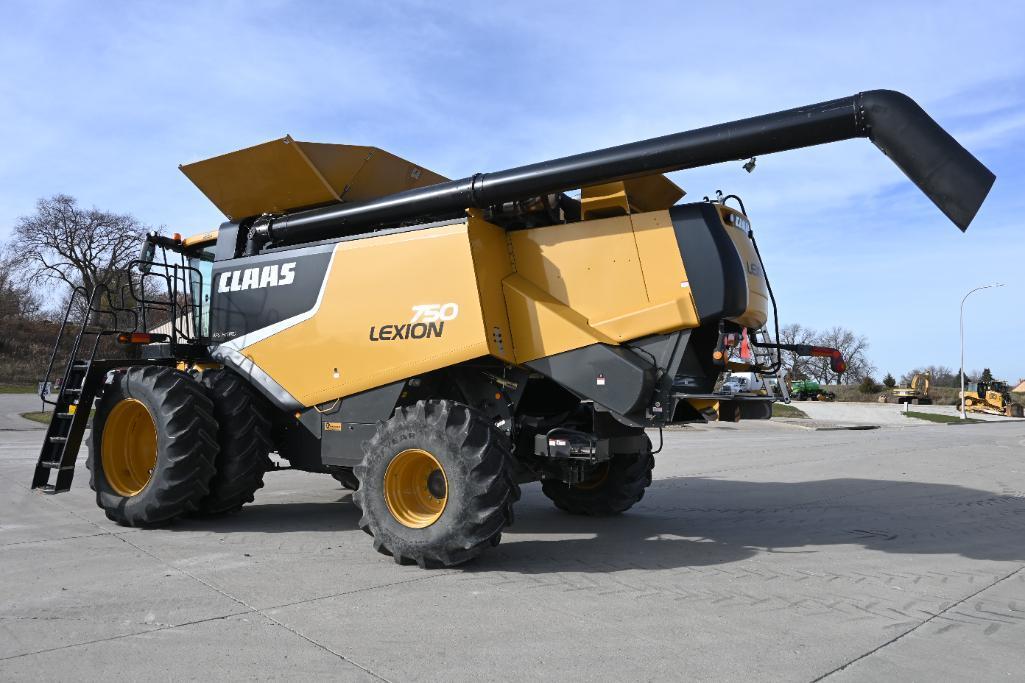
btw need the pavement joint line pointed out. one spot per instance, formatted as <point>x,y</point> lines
<point>233,598</point>
<point>433,574</point>
<point>62,538</point>
<point>919,625</point>
<point>228,595</point>
<point>225,594</point>
<point>166,627</point>
<point>255,610</point>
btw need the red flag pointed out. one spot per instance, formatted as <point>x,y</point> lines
<point>745,346</point>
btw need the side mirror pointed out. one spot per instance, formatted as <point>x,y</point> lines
<point>147,254</point>
<point>149,248</point>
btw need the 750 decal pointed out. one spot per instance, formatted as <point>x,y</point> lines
<point>428,321</point>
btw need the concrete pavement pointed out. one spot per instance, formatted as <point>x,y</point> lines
<point>760,551</point>
<point>11,408</point>
<point>888,414</point>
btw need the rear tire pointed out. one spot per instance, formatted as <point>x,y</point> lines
<point>617,487</point>
<point>245,442</point>
<point>435,486</point>
<point>160,467</point>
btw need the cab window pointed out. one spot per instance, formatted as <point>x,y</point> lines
<point>201,260</point>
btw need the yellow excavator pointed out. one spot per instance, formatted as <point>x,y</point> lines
<point>917,393</point>
<point>992,397</point>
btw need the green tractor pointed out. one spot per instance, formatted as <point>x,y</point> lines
<point>809,390</point>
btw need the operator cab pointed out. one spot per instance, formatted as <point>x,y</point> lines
<point>181,270</point>
<point>199,250</point>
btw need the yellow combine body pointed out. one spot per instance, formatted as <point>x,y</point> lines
<point>433,344</point>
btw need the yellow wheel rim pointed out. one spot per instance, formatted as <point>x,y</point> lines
<point>129,447</point>
<point>415,488</point>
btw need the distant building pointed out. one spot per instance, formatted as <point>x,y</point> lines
<point>1020,389</point>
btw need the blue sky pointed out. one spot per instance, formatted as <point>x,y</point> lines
<point>103,100</point>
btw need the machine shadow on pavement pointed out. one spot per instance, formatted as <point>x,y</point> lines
<point>695,521</point>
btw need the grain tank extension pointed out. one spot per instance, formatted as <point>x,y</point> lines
<point>432,343</point>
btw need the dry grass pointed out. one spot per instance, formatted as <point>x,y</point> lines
<point>784,410</point>
<point>941,396</point>
<point>18,388</point>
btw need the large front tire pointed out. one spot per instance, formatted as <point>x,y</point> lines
<point>153,446</point>
<point>616,486</point>
<point>434,485</point>
<point>245,442</point>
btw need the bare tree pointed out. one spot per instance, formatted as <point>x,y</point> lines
<point>942,376</point>
<point>17,300</point>
<point>26,336</point>
<point>796,367</point>
<point>853,349</point>
<point>79,247</point>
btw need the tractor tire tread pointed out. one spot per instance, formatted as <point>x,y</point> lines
<point>628,477</point>
<point>187,433</point>
<point>245,442</point>
<point>477,448</point>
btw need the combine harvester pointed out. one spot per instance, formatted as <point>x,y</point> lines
<point>435,343</point>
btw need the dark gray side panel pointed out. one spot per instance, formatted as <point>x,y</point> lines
<point>611,376</point>
<point>340,430</point>
<point>369,406</point>
<point>251,293</point>
<point>714,268</point>
<point>345,448</point>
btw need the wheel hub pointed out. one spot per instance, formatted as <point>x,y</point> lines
<point>415,488</point>
<point>129,447</point>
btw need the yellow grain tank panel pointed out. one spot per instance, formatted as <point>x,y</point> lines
<point>542,325</point>
<point>345,347</point>
<point>670,302</point>
<point>287,174</point>
<point>583,283</point>
<point>592,266</point>
<point>647,193</point>
<point>490,249</point>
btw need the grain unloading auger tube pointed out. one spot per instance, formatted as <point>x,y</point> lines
<point>955,181</point>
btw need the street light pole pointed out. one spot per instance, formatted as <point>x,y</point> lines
<point>964,416</point>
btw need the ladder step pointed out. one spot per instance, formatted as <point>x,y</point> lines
<point>76,392</point>
<point>51,465</point>
<point>65,416</point>
<point>50,488</point>
<point>58,439</point>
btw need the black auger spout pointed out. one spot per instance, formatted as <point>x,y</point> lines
<point>945,171</point>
